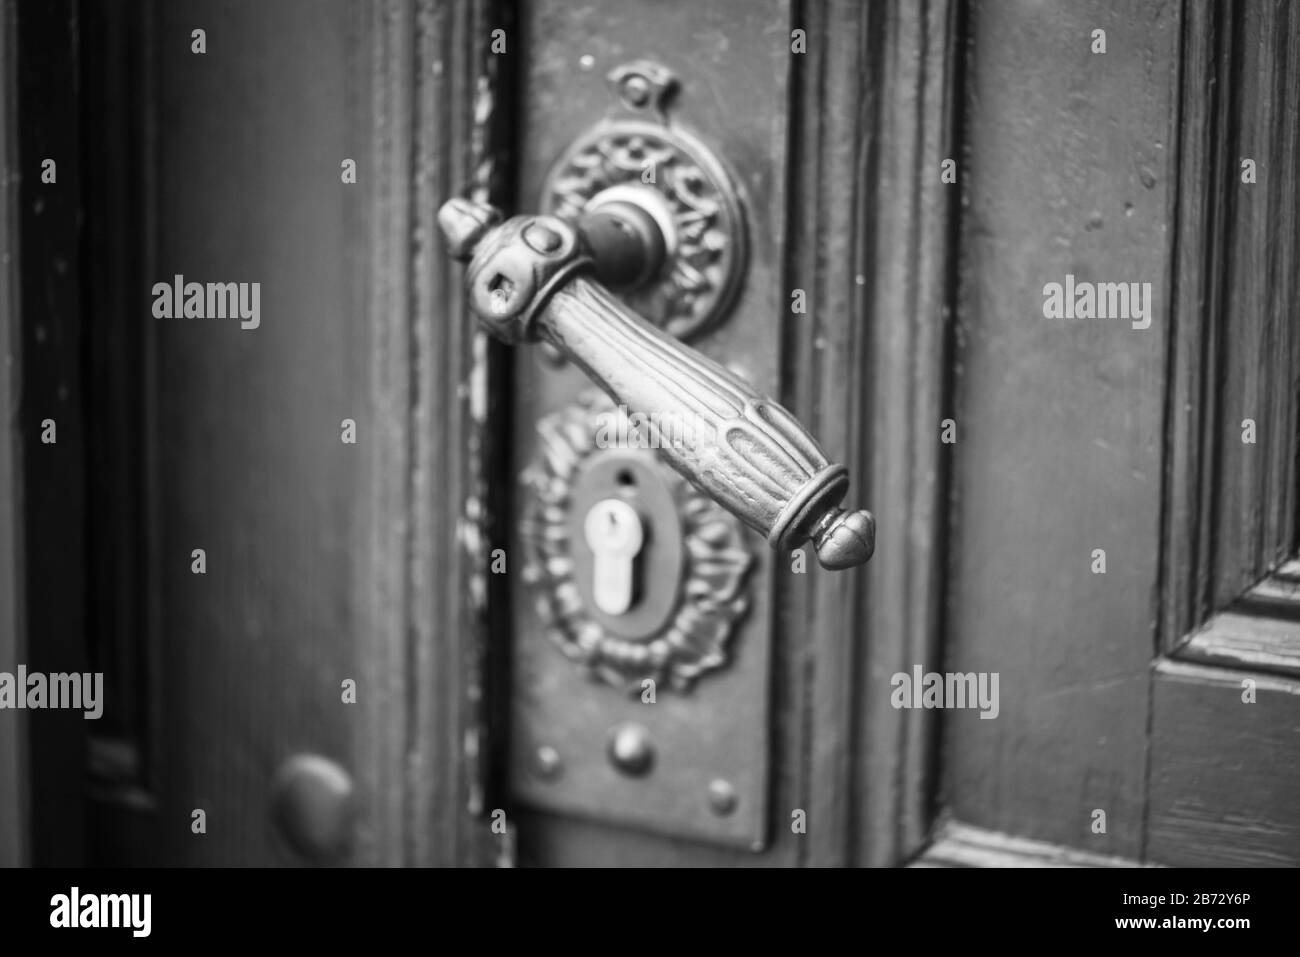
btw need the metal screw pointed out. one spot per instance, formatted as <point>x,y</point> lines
<point>636,91</point>
<point>542,238</point>
<point>630,749</point>
<point>549,764</point>
<point>722,797</point>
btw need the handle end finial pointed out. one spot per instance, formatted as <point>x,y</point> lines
<point>465,223</point>
<point>846,539</point>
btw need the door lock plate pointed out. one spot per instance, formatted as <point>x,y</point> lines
<point>656,701</point>
<point>658,717</point>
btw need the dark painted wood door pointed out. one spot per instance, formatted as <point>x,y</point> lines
<point>293,525</point>
<point>302,549</point>
<point>1124,488</point>
<point>261,532</point>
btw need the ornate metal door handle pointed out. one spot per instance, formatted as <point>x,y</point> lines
<point>538,278</point>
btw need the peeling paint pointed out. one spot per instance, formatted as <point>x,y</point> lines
<point>484,105</point>
<point>478,380</point>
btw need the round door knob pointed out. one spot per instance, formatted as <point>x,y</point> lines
<point>313,808</point>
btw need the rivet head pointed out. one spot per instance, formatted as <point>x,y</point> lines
<point>636,91</point>
<point>542,239</point>
<point>630,750</point>
<point>548,762</point>
<point>312,805</point>
<point>722,797</point>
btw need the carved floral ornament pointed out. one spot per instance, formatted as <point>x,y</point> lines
<point>697,205</point>
<point>711,598</point>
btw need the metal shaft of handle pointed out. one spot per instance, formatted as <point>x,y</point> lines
<point>528,280</point>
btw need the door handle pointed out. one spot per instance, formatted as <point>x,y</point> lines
<point>542,279</point>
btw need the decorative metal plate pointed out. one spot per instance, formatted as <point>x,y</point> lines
<point>692,758</point>
<point>695,571</point>
<point>656,718</point>
<point>679,181</point>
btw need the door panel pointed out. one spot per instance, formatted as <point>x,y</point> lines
<point>1068,171</point>
<point>1222,784</point>
<point>321,460</point>
<point>242,444</point>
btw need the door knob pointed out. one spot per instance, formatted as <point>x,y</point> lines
<point>542,279</point>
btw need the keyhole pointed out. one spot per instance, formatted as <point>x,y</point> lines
<point>615,535</point>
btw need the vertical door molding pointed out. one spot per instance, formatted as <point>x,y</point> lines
<point>875,114</point>
<point>429,103</point>
<point>1225,697</point>
<point>1232,507</point>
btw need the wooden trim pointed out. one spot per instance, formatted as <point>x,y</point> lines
<point>1235,350</point>
<point>429,104</point>
<point>1222,786</point>
<point>872,229</point>
<point>14,850</point>
<point>1260,631</point>
<point>960,845</point>
<point>1198,261</point>
<point>1257,644</point>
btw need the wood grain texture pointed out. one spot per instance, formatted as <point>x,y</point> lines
<point>911,216</point>
<point>1246,642</point>
<point>382,38</point>
<point>871,228</point>
<point>960,845</point>
<point>1236,350</point>
<point>1254,320</point>
<point>1260,631</point>
<point>14,809</point>
<point>1223,776</point>
<point>824,352</point>
<point>446,374</point>
<point>1067,170</point>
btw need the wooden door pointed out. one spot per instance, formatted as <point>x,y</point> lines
<point>260,533</point>
<point>357,666</point>
<point>1147,695</point>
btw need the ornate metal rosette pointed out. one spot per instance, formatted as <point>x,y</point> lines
<point>711,597</point>
<point>675,178</point>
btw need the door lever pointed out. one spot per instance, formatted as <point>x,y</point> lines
<point>538,278</point>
